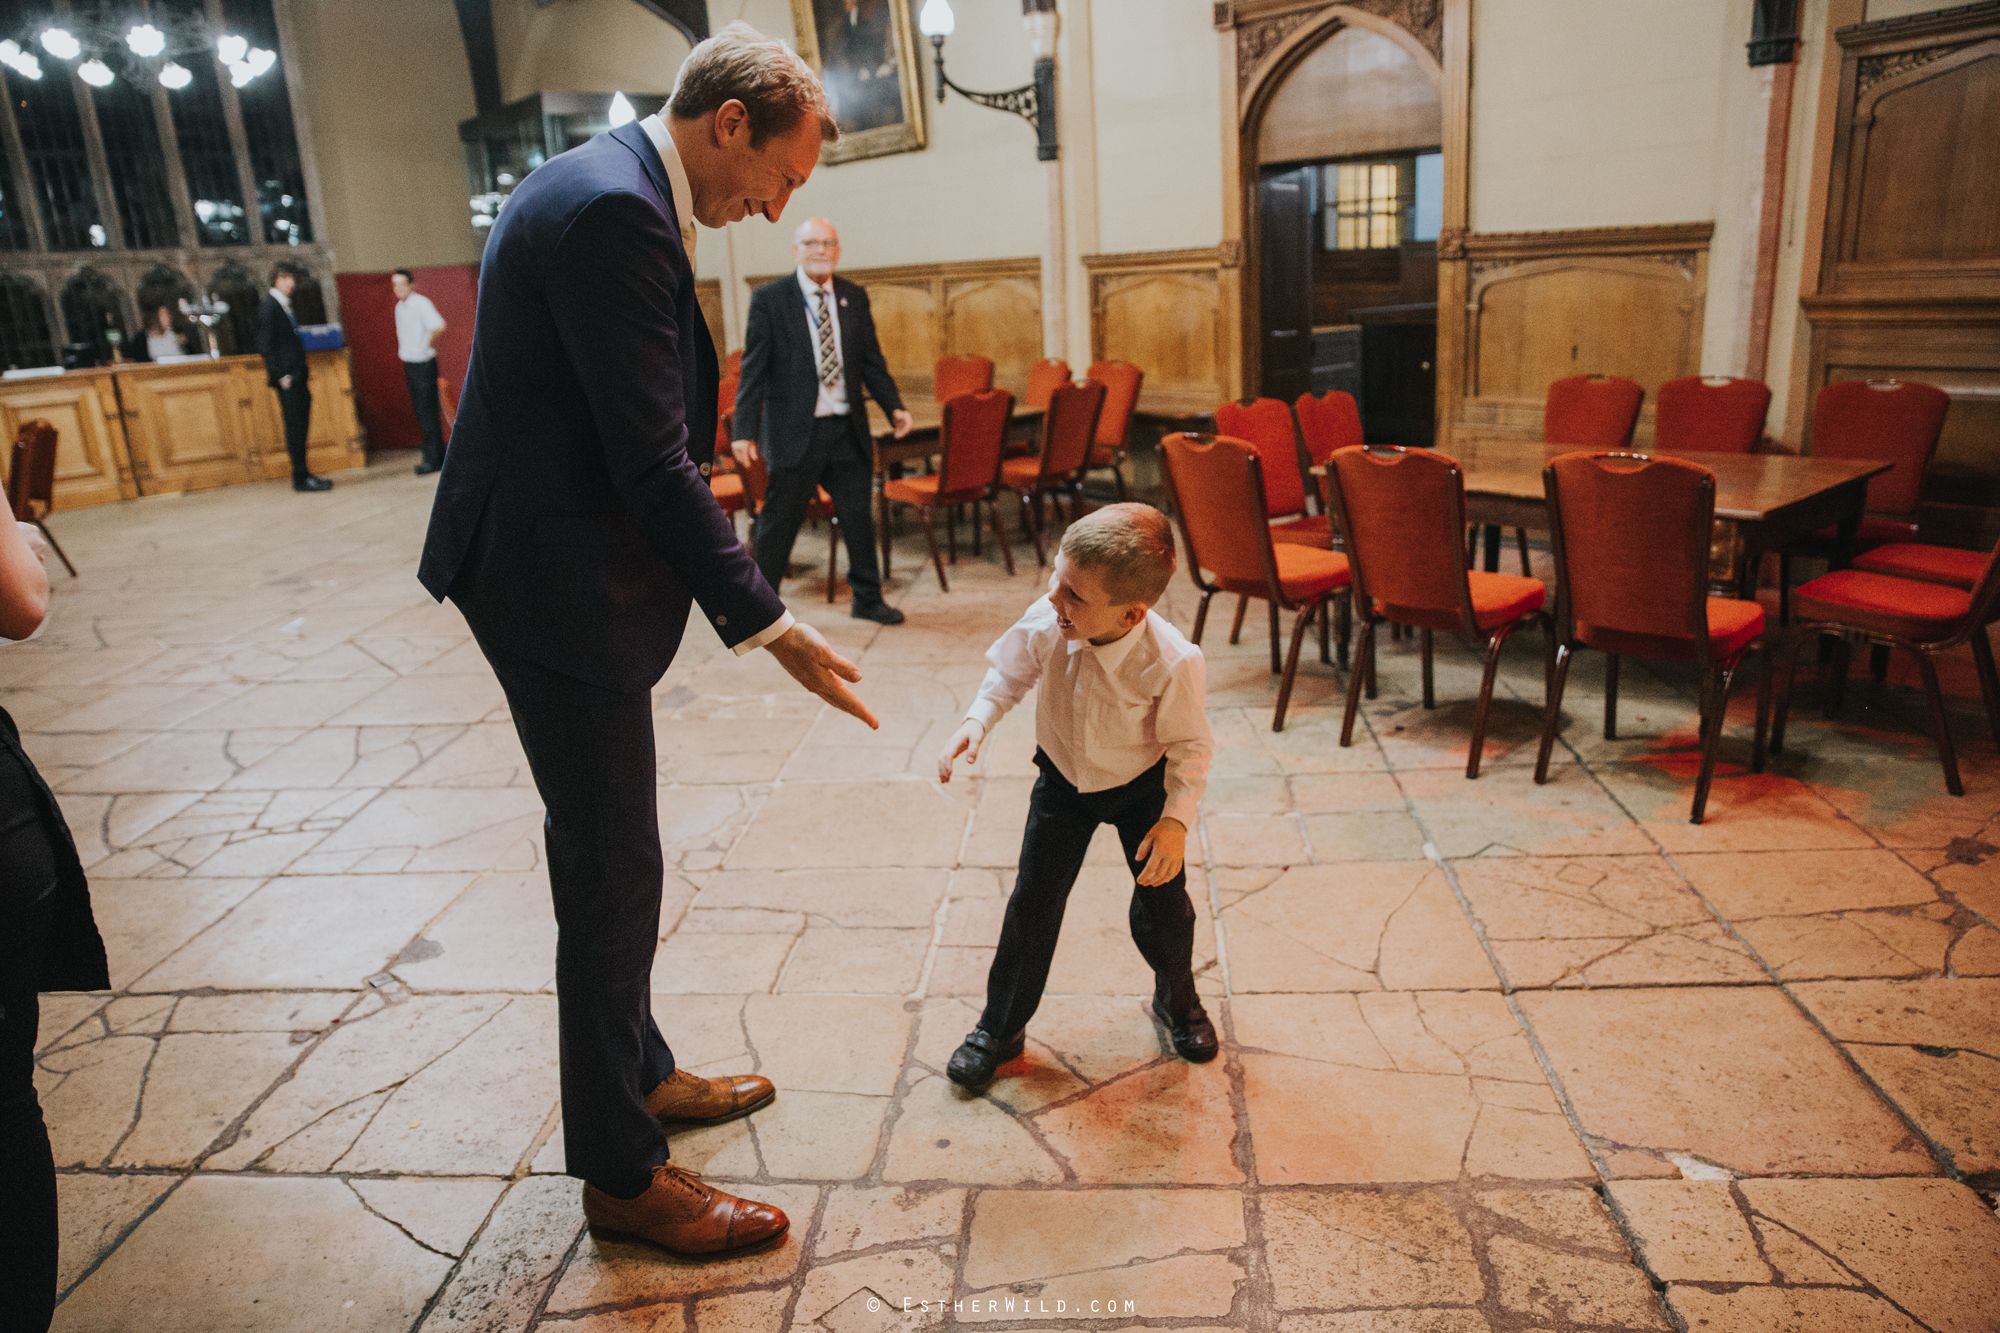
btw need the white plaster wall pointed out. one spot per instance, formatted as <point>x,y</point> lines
<point>1159,132</point>
<point>584,46</point>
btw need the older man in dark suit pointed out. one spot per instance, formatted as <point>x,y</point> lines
<point>808,353</point>
<point>284,354</point>
<point>574,526</point>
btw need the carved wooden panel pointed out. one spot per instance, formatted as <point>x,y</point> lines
<point>996,317</point>
<point>192,427</point>
<point>708,292</point>
<point>910,327</point>
<point>1161,311</point>
<point>90,462</point>
<point>333,433</point>
<point>1606,301</point>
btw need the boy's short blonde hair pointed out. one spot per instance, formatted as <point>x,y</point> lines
<point>1130,544</point>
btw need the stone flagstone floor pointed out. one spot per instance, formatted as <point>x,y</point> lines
<point>1498,1056</point>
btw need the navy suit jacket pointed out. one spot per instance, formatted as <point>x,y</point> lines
<point>278,342</point>
<point>779,384</point>
<point>574,523</point>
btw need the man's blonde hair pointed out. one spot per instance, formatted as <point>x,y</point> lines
<point>1130,544</point>
<point>741,64</point>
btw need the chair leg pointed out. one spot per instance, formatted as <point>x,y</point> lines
<point>1364,652</point>
<point>1367,666</point>
<point>1236,625</point>
<point>1769,664</point>
<point>999,532</point>
<point>1493,647</point>
<point>1946,755</point>
<point>55,546</point>
<point>1201,617</point>
<point>881,533</point>
<point>1611,696</point>
<point>1325,635</point>
<point>976,527</point>
<point>1276,638</point>
<point>1552,712</point>
<point>1989,682</point>
<point>1032,520</point>
<point>951,532</point>
<point>1784,588</point>
<point>1291,661</point>
<point>1715,697</point>
<point>1521,544</point>
<point>930,539</point>
<point>1781,707</point>
<point>1835,691</point>
<point>1878,662</point>
<point>1118,480</point>
<point>1424,651</point>
<point>832,555</point>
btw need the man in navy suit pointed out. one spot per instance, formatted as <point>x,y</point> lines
<point>574,527</point>
<point>808,352</point>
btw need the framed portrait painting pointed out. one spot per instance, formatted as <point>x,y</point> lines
<point>867,59</point>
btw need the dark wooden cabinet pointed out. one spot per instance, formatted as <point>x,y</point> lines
<point>1399,375</point>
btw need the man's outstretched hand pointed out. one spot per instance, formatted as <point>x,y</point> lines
<point>812,663</point>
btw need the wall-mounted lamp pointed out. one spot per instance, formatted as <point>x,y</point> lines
<point>1033,102</point>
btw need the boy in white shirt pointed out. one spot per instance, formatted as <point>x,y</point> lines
<point>1122,740</point>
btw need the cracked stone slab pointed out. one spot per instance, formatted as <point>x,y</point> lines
<point>225,1255</point>
<point>1356,927</point>
<point>94,1211</point>
<point>514,1260</point>
<point>616,1272</point>
<point>1735,1076</point>
<point>811,824</point>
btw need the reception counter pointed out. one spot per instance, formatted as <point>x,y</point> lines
<point>141,429</point>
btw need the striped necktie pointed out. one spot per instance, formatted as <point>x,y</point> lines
<point>829,357</point>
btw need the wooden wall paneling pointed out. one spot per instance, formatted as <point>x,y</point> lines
<point>333,433</point>
<point>1163,312</point>
<point>90,449</point>
<point>909,323</point>
<point>708,293</point>
<point>997,317</point>
<point>1541,305</point>
<point>192,426</point>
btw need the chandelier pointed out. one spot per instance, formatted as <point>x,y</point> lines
<point>137,47</point>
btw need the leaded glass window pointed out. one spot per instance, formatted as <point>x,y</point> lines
<point>267,124</point>
<point>58,164</point>
<point>138,168</point>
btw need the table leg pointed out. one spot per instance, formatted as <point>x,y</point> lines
<point>1492,562</point>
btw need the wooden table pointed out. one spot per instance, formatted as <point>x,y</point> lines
<point>1770,500</point>
<point>927,419</point>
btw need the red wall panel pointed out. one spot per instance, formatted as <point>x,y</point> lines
<point>368,316</point>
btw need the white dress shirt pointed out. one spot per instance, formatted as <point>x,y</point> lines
<point>286,302</point>
<point>415,318</point>
<point>1106,714</point>
<point>683,201</point>
<point>832,402</point>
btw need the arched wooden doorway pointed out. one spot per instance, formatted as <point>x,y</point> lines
<point>1398,52</point>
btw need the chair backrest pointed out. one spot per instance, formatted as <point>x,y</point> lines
<point>31,480</point>
<point>447,406</point>
<point>1631,535</point>
<point>733,366</point>
<point>1218,491</point>
<point>1887,419</point>
<point>725,408</point>
<point>1069,427</point>
<point>972,437</point>
<point>1402,512</point>
<point>1121,380</point>
<point>955,375</point>
<point>1329,422</point>
<point>1714,415</point>
<point>1595,411</point>
<point>1267,425</point>
<point>1043,378</point>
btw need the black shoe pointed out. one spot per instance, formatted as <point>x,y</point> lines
<point>973,1063</point>
<point>880,612</point>
<point>425,469</point>
<point>1192,1034</point>
<point>309,482</point>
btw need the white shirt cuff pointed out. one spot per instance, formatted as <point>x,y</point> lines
<point>776,631</point>
<point>1183,809</point>
<point>985,712</point>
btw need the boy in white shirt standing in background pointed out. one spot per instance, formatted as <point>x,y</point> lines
<point>1122,740</point>
<point>418,325</point>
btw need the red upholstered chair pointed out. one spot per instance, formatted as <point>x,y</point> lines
<point>1881,419</point>
<point>1591,412</point>
<point>733,367</point>
<point>31,481</point>
<point>1631,538</point>
<point>447,408</point>
<point>956,375</point>
<point>1926,564</point>
<point>1403,513</point>
<point>1711,415</point>
<point>1267,425</point>
<point>1068,427</point>
<point>970,438</point>
<point>1218,490</point>
<point>1329,422</point>
<point>1121,380</point>
<point>1044,378</point>
<point>754,480</point>
<point>1925,620</point>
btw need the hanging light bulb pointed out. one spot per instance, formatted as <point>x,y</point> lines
<point>936,20</point>
<point>261,60</point>
<point>230,49</point>
<point>175,77</point>
<point>95,73</point>
<point>146,41</point>
<point>59,43</point>
<point>21,62</point>
<point>621,111</point>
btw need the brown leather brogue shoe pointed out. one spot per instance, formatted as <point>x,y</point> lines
<point>678,1212</point>
<point>689,1099</point>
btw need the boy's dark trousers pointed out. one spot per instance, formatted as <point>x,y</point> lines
<point>1061,822</point>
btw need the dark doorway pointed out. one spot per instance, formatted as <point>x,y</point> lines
<point>1287,204</point>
